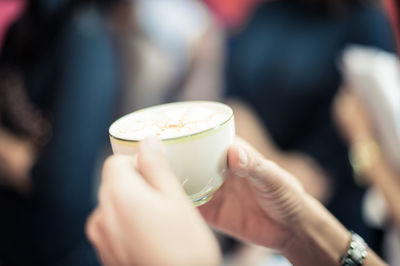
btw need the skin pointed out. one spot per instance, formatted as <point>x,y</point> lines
<point>259,203</point>
<point>246,200</point>
<point>16,159</point>
<point>352,119</point>
<point>144,217</point>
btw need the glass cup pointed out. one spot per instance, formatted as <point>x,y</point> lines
<point>198,158</point>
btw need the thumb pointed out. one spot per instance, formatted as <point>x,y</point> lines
<point>266,176</point>
<point>154,166</point>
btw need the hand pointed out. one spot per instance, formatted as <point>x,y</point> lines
<point>259,202</point>
<point>144,216</point>
<point>351,117</point>
<point>16,159</point>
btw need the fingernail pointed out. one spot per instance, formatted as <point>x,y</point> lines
<point>243,159</point>
<point>154,144</point>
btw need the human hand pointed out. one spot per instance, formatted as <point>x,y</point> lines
<point>16,159</point>
<point>145,218</point>
<point>351,117</point>
<point>259,202</point>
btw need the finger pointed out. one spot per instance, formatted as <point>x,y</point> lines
<point>117,165</point>
<point>91,228</point>
<point>122,189</point>
<point>97,237</point>
<point>119,173</point>
<point>154,166</point>
<point>244,161</point>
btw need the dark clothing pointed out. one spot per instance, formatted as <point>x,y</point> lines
<point>284,65</point>
<point>75,82</point>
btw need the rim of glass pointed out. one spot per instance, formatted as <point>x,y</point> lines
<point>180,137</point>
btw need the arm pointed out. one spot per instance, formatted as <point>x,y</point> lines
<point>322,240</point>
<point>274,211</point>
<point>387,180</point>
<point>356,128</point>
<point>259,202</point>
<point>205,78</point>
<point>15,165</point>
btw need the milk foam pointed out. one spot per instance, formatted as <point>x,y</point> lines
<point>171,120</point>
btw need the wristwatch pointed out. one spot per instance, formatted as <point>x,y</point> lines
<point>356,253</point>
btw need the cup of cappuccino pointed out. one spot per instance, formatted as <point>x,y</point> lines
<point>196,136</point>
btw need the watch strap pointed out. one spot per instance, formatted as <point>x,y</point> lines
<point>356,253</point>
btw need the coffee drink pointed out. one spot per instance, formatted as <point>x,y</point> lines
<point>196,137</point>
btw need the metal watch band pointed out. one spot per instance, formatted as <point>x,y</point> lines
<point>356,253</point>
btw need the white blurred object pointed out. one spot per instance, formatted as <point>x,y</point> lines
<point>255,255</point>
<point>175,25</point>
<point>375,209</point>
<point>176,54</point>
<point>276,260</point>
<point>374,76</point>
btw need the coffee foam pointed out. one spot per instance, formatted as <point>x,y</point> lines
<point>171,120</point>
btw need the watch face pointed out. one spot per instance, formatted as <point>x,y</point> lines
<point>357,252</point>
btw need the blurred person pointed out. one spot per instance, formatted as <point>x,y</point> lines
<point>9,12</point>
<point>60,77</point>
<point>356,126</point>
<point>23,131</point>
<point>282,75</point>
<point>174,52</point>
<point>373,167</point>
<point>232,13</point>
<point>393,8</point>
<point>259,202</point>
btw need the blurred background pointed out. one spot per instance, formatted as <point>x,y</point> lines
<point>314,84</point>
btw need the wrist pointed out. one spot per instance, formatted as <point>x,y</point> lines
<point>318,239</point>
<point>356,252</point>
